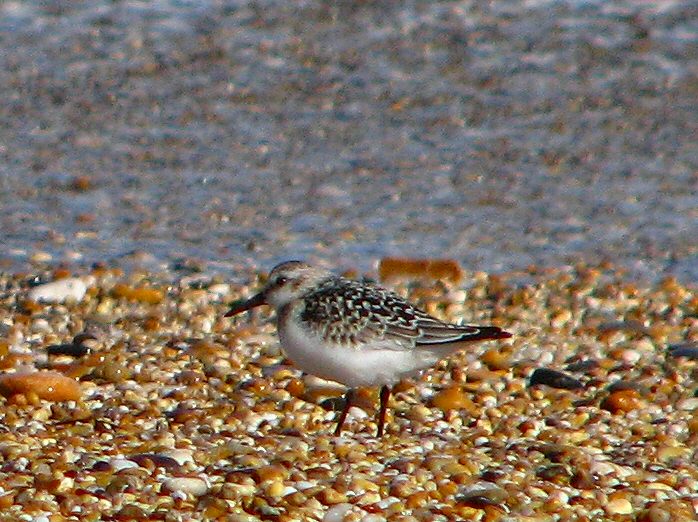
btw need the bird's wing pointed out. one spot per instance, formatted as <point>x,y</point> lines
<point>369,313</point>
<point>425,330</point>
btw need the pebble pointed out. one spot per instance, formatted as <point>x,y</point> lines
<point>631,357</point>
<point>619,506</point>
<point>687,404</point>
<point>119,464</point>
<point>193,486</point>
<point>668,454</point>
<point>143,295</point>
<point>60,291</point>
<point>657,514</point>
<point>481,495</point>
<point>554,379</point>
<point>688,350</point>
<point>452,398</point>
<point>337,512</point>
<point>330,496</point>
<point>70,349</point>
<point>48,385</point>
<point>623,400</point>
<point>496,360</point>
<point>155,460</point>
<point>392,268</point>
<point>41,257</point>
<point>219,290</point>
<point>181,456</point>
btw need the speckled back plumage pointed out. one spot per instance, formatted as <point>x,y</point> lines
<point>346,312</point>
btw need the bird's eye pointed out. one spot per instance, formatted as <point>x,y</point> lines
<point>281,280</point>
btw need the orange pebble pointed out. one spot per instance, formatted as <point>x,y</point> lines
<point>295,387</point>
<point>141,295</point>
<point>48,385</point>
<point>496,360</point>
<point>438,269</point>
<point>622,401</point>
<point>271,472</point>
<point>453,398</point>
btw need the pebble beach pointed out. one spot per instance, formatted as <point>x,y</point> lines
<point>527,165</point>
<point>140,401</point>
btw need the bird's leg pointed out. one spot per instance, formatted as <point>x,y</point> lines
<point>384,395</point>
<point>348,398</point>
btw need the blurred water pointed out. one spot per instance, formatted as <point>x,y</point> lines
<point>501,134</point>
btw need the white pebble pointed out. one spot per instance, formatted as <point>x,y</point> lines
<point>119,463</point>
<point>619,506</point>
<point>40,325</point>
<point>182,456</point>
<point>481,441</point>
<point>219,290</point>
<point>60,291</point>
<point>631,356</point>
<point>356,413</point>
<point>191,485</point>
<point>602,468</point>
<point>688,404</point>
<point>373,518</point>
<point>387,501</point>
<point>337,512</point>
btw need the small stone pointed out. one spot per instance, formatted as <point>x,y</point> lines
<point>496,360</point>
<point>601,468</point>
<point>630,357</point>
<point>60,291</point>
<point>119,464</point>
<point>337,512</point>
<point>144,295</point>
<point>560,319</point>
<point>391,268</point>
<point>623,400</point>
<point>687,404</point>
<point>41,257</point>
<point>181,456</point>
<point>688,350</point>
<point>330,496</point>
<point>583,366</point>
<point>657,514</point>
<point>41,325</point>
<point>667,454</point>
<point>619,506</point>
<point>193,486</point>
<point>271,472</point>
<point>81,183</point>
<point>72,350</point>
<point>155,460</point>
<point>295,387</point>
<point>481,495</point>
<point>554,379</point>
<point>274,488</point>
<point>452,398</point>
<point>48,385</point>
<point>131,512</point>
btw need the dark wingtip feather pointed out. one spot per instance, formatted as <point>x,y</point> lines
<point>471,334</point>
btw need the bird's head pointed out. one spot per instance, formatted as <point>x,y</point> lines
<point>287,281</point>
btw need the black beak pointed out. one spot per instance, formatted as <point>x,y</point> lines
<point>243,306</point>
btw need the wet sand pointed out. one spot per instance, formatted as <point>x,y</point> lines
<point>238,135</point>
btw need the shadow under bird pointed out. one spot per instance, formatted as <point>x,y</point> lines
<point>356,333</point>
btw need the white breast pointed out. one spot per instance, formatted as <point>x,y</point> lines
<point>363,365</point>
